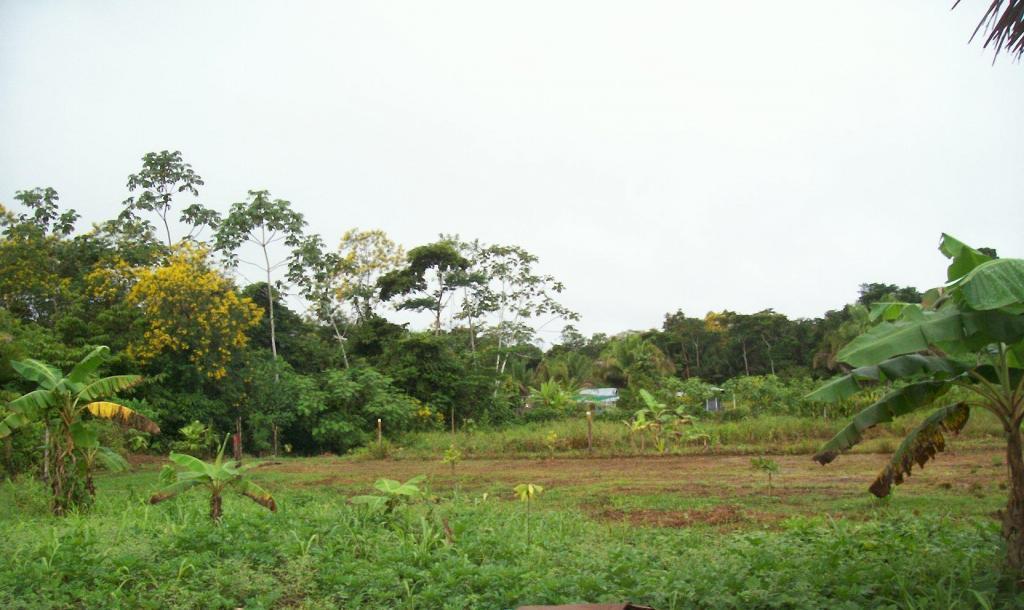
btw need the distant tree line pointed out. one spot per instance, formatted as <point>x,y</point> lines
<point>236,356</point>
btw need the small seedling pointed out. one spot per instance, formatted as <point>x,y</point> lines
<point>528,492</point>
<point>452,456</point>
<point>766,465</point>
<point>394,494</point>
<point>551,442</point>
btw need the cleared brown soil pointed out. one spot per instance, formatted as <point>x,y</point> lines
<point>653,474</point>
<point>682,491</point>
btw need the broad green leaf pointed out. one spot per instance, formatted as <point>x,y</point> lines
<point>11,423</point>
<point>888,312</point>
<point>375,503</point>
<point>84,436</point>
<point>388,486</point>
<point>109,386</point>
<point>994,284</point>
<point>965,258</point>
<point>901,367</point>
<point>257,494</point>
<point>890,339</point>
<point>193,464</point>
<point>34,403</point>
<point>88,365</point>
<point>45,375</point>
<point>985,327</point>
<point>122,415</point>
<point>894,404</point>
<point>112,460</point>
<point>921,445</point>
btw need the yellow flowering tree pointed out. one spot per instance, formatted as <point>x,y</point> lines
<point>191,309</point>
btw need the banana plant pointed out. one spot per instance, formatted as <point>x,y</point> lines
<point>528,492</point>
<point>393,494</point>
<point>63,403</point>
<point>966,334</point>
<point>662,417</point>
<point>217,478</point>
<point>638,425</point>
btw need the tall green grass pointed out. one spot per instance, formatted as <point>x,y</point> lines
<point>767,434</point>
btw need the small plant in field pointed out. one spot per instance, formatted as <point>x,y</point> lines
<point>697,435</point>
<point>528,492</point>
<point>196,438</point>
<point>217,477</point>
<point>138,442</point>
<point>452,456</point>
<point>766,465</point>
<point>381,450</point>
<point>392,494</point>
<point>638,425</point>
<point>551,442</point>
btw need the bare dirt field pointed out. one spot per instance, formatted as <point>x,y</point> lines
<point>718,491</point>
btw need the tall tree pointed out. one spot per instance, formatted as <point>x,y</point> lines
<point>190,310</point>
<point>164,175</point>
<point>520,301</point>
<point>314,270</point>
<point>430,277</point>
<point>265,223</point>
<point>363,257</point>
<point>31,256</point>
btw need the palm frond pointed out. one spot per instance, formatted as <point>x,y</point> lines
<point>122,415</point>
<point>1004,24</point>
<point>174,489</point>
<point>108,386</point>
<point>88,365</point>
<point>45,375</point>
<point>257,494</point>
<point>921,445</point>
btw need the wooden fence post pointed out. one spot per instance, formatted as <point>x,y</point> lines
<point>379,437</point>
<point>590,432</point>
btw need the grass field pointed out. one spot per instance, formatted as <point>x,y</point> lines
<point>774,434</point>
<point>671,532</point>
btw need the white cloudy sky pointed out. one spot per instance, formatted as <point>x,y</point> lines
<point>654,155</point>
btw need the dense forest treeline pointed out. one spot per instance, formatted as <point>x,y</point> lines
<point>218,355</point>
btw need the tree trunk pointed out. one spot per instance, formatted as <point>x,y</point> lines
<point>46,452</point>
<point>236,444</point>
<point>8,455</point>
<point>341,341</point>
<point>215,507</point>
<point>746,365</point>
<point>1013,516</point>
<point>275,438</point>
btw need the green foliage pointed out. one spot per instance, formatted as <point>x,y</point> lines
<point>196,439</point>
<point>393,494</point>
<point>452,456</point>
<point>967,334</point>
<point>550,401</point>
<point>217,478</point>
<point>766,465</point>
<point>63,404</point>
<point>162,177</point>
<point>342,413</point>
<point>112,557</point>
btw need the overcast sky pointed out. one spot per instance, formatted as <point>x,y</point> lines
<point>655,155</point>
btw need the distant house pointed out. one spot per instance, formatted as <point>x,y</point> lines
<point>714,403</point>
<point>600,398</point>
